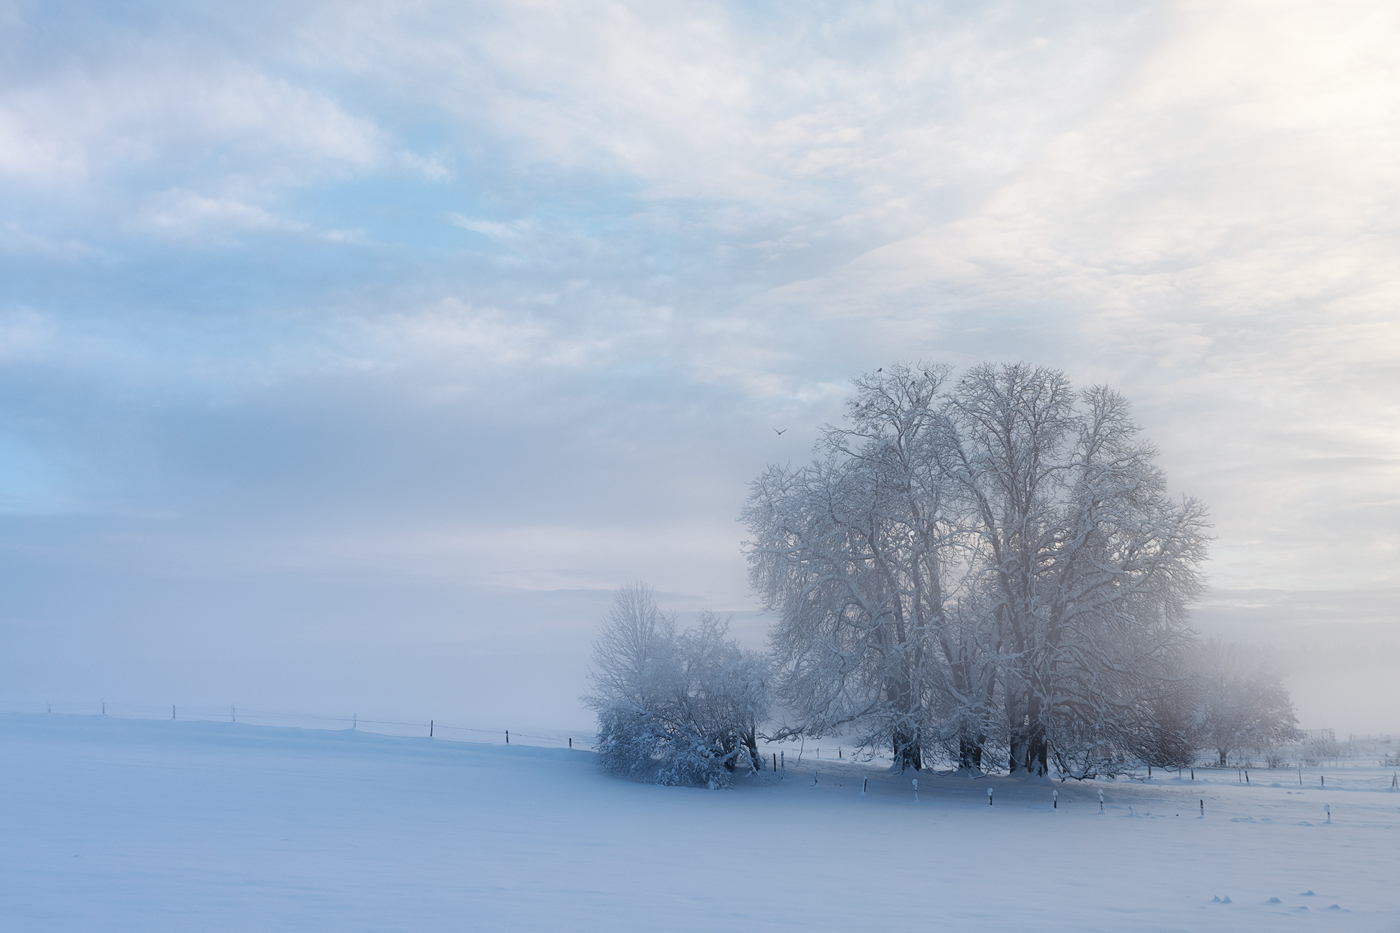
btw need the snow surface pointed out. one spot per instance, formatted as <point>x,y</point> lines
<point>113,824</point>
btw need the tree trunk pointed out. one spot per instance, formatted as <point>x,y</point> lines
<point>1016,715</point>
<point>1037,742</point>
<point>970,751</point>
<point>907,752</point>
<point>1030,744</point>
<point>750,740</point>
<point>728,747</point>
<point>1037,751</point>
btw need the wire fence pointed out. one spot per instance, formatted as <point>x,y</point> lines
<point>782,756</point>
<point>429,728</point>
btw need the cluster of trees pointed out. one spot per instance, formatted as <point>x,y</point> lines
<point>976,562</point>
<point>987,568</point>
<point>674,706</point>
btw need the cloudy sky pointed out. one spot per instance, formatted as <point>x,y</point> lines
<point>351,354</point>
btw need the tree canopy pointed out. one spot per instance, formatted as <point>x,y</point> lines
<point>984,562</point>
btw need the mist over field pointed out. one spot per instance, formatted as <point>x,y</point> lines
<point>352,355</point>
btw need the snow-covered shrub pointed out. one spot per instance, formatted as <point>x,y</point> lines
<point>674,707</point>
<point>644,746</point>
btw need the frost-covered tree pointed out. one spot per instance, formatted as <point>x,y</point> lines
<point>992,554</point>
<point>1242,702</point>
<point>674,707</point>
<point>1086,564</point>
<point>632,655</point>
<point>720,691</point>
<point>857,554</point>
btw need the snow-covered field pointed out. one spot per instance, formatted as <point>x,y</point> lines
<point>147,826</point>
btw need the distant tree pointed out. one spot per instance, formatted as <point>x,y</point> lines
<point>632,655</point>
<point>674,707</point>
<point>1243,703</point>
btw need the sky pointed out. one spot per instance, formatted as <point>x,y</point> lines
<point>352,354</point>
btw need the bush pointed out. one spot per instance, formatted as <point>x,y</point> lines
<point>674,708</point>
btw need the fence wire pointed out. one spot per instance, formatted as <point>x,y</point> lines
<point>429,728</point>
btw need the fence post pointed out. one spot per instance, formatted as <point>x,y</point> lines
<point>172,710</point>
<point>430,728</point>
<point>507,736</point>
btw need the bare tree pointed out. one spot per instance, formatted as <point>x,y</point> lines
<point>855,552</point>
<point>632,655</point>
<point>994,555</point>
<point>1243,703</point>
<point>674,707</point>
<point>1087,565</point>
<point>721,691</point>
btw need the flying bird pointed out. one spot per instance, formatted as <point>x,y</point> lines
<point>782,432</point>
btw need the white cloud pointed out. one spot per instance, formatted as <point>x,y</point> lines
<point>186,212</point>
<point>430,166</point>
<point>16,241</point>
<point>494,229</point>
<point>701,101</point>
<point>78,125</point>
<point>24,334</point>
